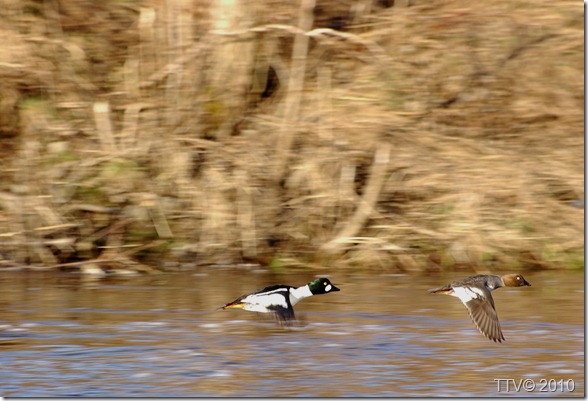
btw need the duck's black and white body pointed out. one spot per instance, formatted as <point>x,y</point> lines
<point>280,299</point>
<point>475,293</point>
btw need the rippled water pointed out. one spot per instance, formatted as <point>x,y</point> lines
<point>383,335</point>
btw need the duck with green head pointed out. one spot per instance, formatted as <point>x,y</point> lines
<point>280,299</point>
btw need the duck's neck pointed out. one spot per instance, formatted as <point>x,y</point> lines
<point>497,282</point>
<point>298,294</point>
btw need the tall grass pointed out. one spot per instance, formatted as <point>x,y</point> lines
<point>165,135</point>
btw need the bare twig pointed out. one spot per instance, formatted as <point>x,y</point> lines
<point>367,202</point>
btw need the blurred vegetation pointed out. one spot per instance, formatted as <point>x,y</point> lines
<point>403,135</point>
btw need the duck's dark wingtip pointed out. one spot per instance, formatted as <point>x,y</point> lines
<point>497,339</point>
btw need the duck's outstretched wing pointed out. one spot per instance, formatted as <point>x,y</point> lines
<point>480,305</point>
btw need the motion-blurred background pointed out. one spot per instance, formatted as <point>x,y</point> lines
<point>405,135</point>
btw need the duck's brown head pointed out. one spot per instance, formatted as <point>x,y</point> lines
<point>514,280</point>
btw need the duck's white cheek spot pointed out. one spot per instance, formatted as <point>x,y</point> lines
<point>328,288</point>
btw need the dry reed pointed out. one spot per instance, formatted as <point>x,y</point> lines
<point>426,135</point>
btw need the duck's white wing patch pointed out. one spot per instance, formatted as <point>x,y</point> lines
<point>466,294</point>
<point>264,302</point>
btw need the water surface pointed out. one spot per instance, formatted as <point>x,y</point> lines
<point>62,334</point>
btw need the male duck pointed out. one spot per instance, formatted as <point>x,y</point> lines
<point>475,293</point>
<point>280,299</point>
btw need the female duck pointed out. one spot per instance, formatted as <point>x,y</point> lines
<point>475,293</point>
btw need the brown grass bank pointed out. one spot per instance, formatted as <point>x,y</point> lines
<point>407,135</point>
